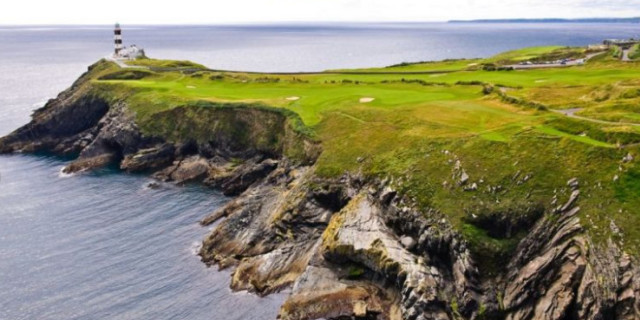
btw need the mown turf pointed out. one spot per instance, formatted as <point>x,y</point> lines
<point>422,130</point>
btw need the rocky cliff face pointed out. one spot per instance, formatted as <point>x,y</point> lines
<point>355,249</point>
<point>349,248</point>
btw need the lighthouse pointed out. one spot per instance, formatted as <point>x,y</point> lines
<point>121,52</point>
<point>117,37</point>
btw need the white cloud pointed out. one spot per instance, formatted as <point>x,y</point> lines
<point>232,11</point>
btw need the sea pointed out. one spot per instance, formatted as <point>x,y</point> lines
<point>103,245</point>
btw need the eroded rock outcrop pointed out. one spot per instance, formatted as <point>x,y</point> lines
<point>377,258</point>
<point>269,231</point>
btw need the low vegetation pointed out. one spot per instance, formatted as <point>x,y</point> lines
<point>634,52</point>
<point>539,54</point>
<point>447,137</point>
<point>128,74</point>
<point>155,63</point>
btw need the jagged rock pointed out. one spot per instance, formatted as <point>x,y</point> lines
<point>614,228</point>
<point>89,163</point>
<point>472,187</point>
<point>69,115</point>
<point>546,271</point>
<point>571,202</point>
<point>387,195</point>
<point>246,175</point>
<point>360,309</point>
<point>516,175</point>
<point>153,185</point>
<point>408,242</point>
<point>321,293</point>
<point>573,183</point>
<point>359,234</point>
<point>117,137</point>
<point>193,168</point>
<point>274,226</point>
<point>464,177</point>
<point>149,159</point>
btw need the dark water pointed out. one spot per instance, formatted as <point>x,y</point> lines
<point>101,245</point>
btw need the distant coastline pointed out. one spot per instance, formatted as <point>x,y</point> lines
<point>552,20</point>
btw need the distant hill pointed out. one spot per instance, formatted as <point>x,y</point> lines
<point>552,20</point>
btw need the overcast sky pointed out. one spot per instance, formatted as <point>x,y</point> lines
<point>242,11</point>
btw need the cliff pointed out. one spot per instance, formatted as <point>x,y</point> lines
<point>356,237</point>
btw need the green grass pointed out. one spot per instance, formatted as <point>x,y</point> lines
<point>419,125</point>
<point>616,52</point>
<point>524,53</point>
<point>146,62</point>
<point>634,52</point>
<point>425,66</point>
<point>128,74</point>
<point>538,54</point>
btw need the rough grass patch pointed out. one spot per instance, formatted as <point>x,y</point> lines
<point>126,75</point>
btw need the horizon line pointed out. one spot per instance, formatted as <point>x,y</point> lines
<point>284,22</point>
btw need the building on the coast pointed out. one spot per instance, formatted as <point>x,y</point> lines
<point>123,52</point>
<point>623,43</point>
<point>597,47</point>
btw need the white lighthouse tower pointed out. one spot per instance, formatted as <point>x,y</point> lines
<point>121,52</point>
<point>117,37</point>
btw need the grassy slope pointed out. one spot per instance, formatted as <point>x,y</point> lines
<point>155,63</point>
<point>416,130</point>
<point>634,52</point>
<point>427,66</point>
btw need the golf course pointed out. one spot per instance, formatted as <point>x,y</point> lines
<point>469,141</point>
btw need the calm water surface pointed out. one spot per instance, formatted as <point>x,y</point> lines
<point>102,245</point>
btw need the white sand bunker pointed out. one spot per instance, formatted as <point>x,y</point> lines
<point>366,99</point>
<point>191,87</point>
<point>293,98</point>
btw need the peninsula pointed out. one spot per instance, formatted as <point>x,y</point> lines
<point>552,20</point>
<point>459,189</point>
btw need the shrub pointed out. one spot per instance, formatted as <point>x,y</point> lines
<point>595,131</point>
<point>126,75</point>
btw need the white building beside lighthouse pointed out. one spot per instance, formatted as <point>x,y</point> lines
<point>123,52</point>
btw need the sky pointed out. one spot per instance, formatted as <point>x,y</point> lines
<point>256,11</point>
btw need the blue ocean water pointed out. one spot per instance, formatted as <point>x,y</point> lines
<point>102,245</point>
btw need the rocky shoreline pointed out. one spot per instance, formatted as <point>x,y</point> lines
<point>350,248</point>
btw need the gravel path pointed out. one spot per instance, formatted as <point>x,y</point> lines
<point>572,114</point>
<point>625,55</point>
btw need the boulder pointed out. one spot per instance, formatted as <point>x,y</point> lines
<point>573,183</point>
<point>464,177</point>
<point>408,242</point>
<point>148,159</point>
<point>245,175</point>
